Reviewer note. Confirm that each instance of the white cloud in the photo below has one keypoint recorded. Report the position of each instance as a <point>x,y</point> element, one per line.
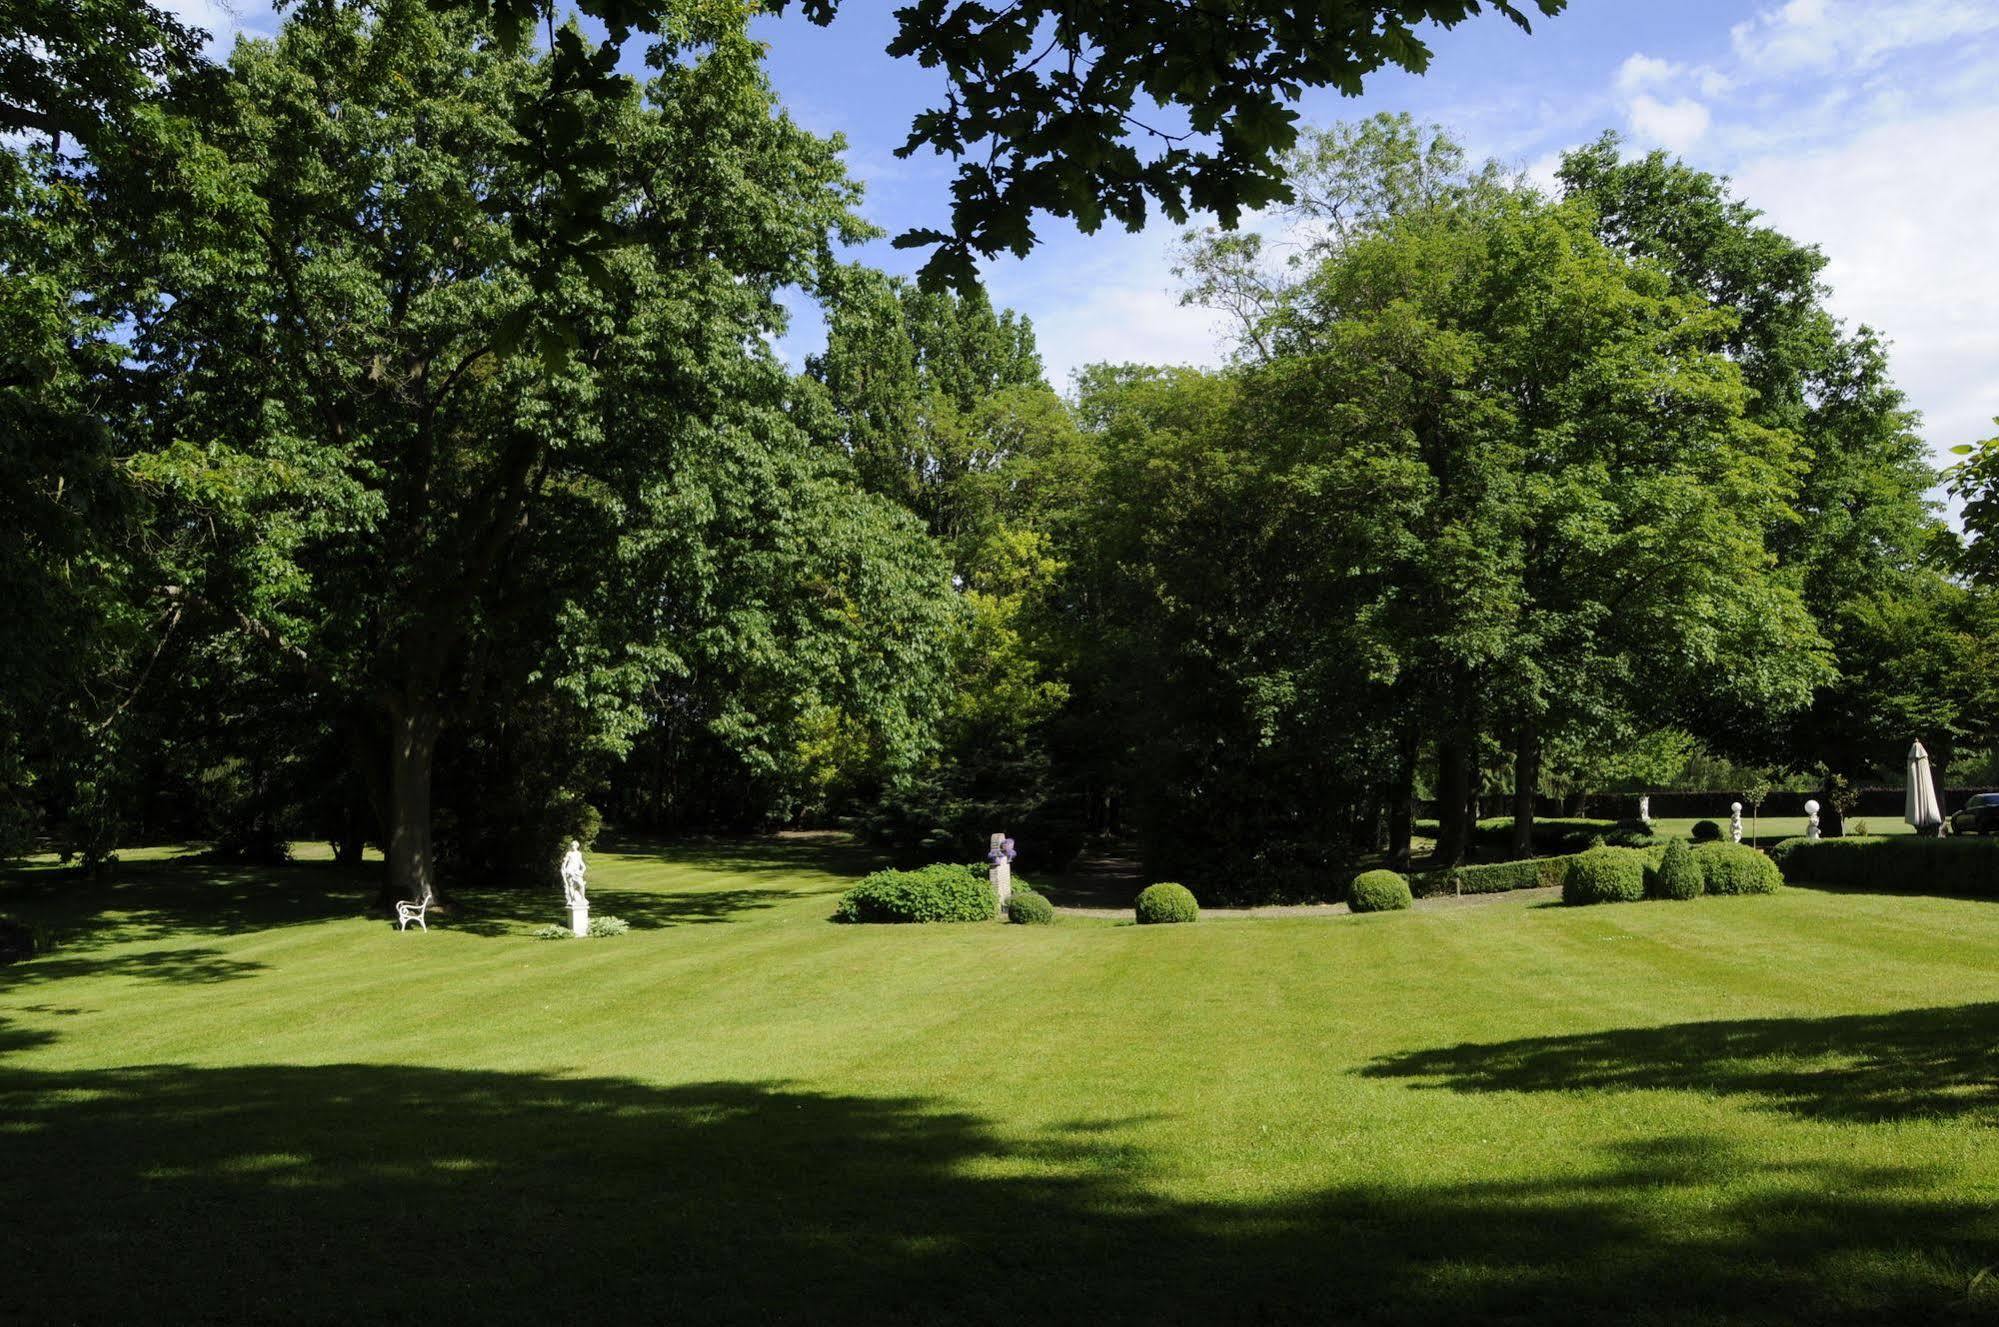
<point>224,20</point>
<point>1641,71</point>
<point>1907,230</point>
<point>1673,125</point>
<point>1108,297</point>
<point>1853,34</point>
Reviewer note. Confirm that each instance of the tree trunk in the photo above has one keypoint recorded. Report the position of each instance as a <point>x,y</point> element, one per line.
<point>1401,804</point>
<point>412,745</point>
<point>1453,801</point>
<point>1526,779</point>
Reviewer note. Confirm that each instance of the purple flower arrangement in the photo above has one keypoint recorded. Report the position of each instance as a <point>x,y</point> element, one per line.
<point>1005,850</point>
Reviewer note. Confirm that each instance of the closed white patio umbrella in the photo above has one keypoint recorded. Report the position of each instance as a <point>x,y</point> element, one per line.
<point>1923,811</point>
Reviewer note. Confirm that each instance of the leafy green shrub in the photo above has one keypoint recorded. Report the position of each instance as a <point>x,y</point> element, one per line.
<point>945,892</point>
<point>1378,891</point>
<point>1026,907</point>
<point>606,925</point>
<point>1677,876</point>
<point>1736,868</point>
<point>1166,902</point>
<point>1706,831</point>
<point>1552,836</point>
<point>1903,863</point>
<point>1604,875</point>
<point>552,932</point>
<point>1492,877</point>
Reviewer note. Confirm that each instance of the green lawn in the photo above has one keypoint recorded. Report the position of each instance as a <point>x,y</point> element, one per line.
<point>233,1097</point>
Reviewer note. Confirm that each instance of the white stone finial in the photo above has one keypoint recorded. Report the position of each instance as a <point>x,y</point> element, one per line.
<point>1811,820</point>
<point>1735,821</point>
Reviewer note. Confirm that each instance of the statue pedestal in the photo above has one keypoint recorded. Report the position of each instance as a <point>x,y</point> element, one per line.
<point>579,920</point>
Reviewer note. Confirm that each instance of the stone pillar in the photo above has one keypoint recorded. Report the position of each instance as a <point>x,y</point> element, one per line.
<point>579,919</point>
<point>999,867</point>
<point>1735,821</point>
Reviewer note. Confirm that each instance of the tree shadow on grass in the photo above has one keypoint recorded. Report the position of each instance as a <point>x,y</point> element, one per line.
<point>1864,1067</point>
<point>365,1192</point>
<point>159,900</point>
<point>194,966</point>
<point>503,912</point>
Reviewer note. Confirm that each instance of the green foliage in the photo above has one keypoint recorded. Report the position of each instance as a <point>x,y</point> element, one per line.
<point>1378,891</point>
<point>1900,863</point>
<point>603,925</point>
<point>1165,903</point>
<point>1706,831</point>
<point>1604,875</point>
<point>1493,877</point>
<point>1736,868</point>
<point>1028,907</point>
<point>1678,875</point>
<point>945,892</point>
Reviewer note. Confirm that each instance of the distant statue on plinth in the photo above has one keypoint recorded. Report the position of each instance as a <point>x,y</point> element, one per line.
<point>999,867</point>
<point>1735,821</point>
<point>572,889</point>
<point>1811,821</point>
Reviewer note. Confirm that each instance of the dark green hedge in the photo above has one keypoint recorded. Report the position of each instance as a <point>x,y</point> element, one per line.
<point>1903,862</point>
<point>942,893</point>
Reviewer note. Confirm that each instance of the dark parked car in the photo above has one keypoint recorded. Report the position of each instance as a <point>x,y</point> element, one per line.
<point>1979,816</point>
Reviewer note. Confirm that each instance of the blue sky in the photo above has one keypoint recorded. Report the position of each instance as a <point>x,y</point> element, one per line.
<point>1869,127</point>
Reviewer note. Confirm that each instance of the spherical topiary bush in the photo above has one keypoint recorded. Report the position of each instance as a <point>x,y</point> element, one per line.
<point>1604,875</point>
<point>1378,891</point>
<point>1025,907</point>
<point>1677,876</point>
<point>1706,831</point>
<point>1166,902</point>
<point>1736,868</point>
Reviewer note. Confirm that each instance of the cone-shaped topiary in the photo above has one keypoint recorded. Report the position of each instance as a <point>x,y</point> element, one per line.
<point>1166,902</point>
<point>1677,876</point>
<point>1378,891</point>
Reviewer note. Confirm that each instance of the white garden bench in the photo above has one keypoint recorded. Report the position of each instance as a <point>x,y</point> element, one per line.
<point>407,912</point>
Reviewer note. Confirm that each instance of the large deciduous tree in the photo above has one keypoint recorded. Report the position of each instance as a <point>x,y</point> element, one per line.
<point>363,471</point>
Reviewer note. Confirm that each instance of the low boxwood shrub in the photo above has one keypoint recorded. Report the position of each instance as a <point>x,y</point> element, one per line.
<point>1027,907</point>
<point>1900,863</point>
<point>945,892</point>
<point>1491,877</point>
<point>1164,903</point>
<point>1605,875</point>
<point>1706,831</point>
<point>1378,891</point>
<point>1736,868</point>
<point>1677,876</point>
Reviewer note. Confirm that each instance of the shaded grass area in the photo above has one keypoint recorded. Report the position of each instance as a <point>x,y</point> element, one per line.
<point>1774,1109</point>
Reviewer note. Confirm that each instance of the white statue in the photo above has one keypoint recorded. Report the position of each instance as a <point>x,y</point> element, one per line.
<point>999,867</point>
<point>1645,811</point>
<point>1735,821</point>
<point>572,889</point>
<point>1811,820</point>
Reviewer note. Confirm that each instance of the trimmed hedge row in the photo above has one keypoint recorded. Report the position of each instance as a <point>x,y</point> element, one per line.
<point>1492,877</point>
<point>945,892</point>
<point>1900,862</point>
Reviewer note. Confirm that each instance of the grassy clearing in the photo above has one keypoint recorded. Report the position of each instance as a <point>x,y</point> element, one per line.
<point>233,1096</point>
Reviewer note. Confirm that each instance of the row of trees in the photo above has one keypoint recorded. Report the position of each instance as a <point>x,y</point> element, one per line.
<point>400,456</point>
